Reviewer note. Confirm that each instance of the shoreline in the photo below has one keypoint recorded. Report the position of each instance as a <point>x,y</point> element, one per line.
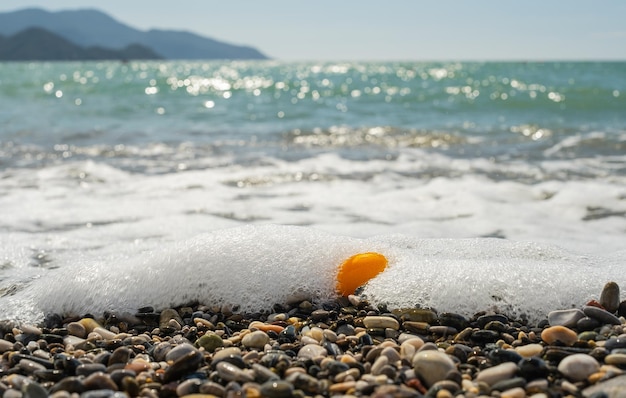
<point>344,347</point>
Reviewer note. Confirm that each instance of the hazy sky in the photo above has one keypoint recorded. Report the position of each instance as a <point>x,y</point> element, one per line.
<point>391,30</point>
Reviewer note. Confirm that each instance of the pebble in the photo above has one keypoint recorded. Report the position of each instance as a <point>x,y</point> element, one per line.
<point>345,348</point>
<point>256,339</point>
<point>497,373</point>
<point>276,389</point>
<point>609,298</point>
<point>380,322</point>
<point>77,329</point>
<point>611,388</point>
<point>529,350</point>
<point>311,351</point>
<point>601,315</point>
<point>617,359</point>
<point>578,367</point>
<point>561,334</point>
<point>432,366</point>
<point>210,342</point>
<point>567,318</point>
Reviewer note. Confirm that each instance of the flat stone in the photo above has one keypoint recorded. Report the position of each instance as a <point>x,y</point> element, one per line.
<point>380,322</point>
<point>529,350</point>
<point>567,318</point>
<point>609,298</point>
<point>601,315</point>
<point>432,366</point>
<point>497,373</point>
<point>559,333</point>
<point>577,367</point>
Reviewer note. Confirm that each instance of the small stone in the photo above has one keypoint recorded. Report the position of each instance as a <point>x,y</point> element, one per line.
<point>378,364</point>
<point>89,324</point>
<point>87,369</point>
<point>311,351</point>
<point>529,350</point>
<point>609,298</point>
<point>185,357</point>
<point>380,322</point>
<point>230,372</point>
<point>533,368</point>
<point>5,346</point>
<point>559,333</point>
<point>210,342</point>
<point>614,343</point>
<point>120,355</point>
<point>34,390</point>
<point>516,392</point>
<point>391,354</point>
<point>497,373</point>
<point>276,389</point>
<point>567,318</point>
<point>578,367</point>
<point>99,381</point>
<point>601,315</point>
<point>432,366</point>
<point>225,353</point>
<point>179,351</point>
<point>256,339</point>
<point>212,388</point>
<point>416,315</point>
<point>166,316</point>
<point>77,329</point>
<point>617,359</point>
<point>587,323</point>
<point>29,366</point>
<point>188,387</point>
<point>613,387</point>
<point>457,321</point>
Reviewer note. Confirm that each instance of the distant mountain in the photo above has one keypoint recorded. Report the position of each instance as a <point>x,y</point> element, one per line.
<point>41,45</point>
<point>87,28</point>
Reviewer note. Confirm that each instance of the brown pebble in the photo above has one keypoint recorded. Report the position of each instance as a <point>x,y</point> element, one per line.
<point>559,333</point>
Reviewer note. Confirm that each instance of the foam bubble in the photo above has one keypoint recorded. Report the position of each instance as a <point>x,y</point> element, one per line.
<point>254,267</point>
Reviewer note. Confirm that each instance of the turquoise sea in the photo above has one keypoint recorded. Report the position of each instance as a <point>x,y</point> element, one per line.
<point>106,161</point>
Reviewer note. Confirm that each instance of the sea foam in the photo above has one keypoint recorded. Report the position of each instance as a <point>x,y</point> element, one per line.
<point>253,267</point>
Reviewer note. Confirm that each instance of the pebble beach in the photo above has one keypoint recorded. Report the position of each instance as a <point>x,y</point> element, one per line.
<point>346,347</point>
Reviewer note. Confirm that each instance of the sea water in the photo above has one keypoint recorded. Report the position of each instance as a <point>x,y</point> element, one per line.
<point>487,185</point>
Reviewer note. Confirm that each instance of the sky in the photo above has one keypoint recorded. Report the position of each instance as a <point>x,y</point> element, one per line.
<point>396,30</point>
